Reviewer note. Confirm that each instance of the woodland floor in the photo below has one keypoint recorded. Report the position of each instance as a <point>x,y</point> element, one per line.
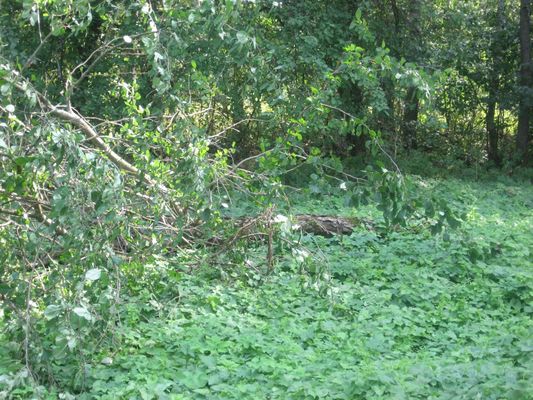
<point>405,315</point>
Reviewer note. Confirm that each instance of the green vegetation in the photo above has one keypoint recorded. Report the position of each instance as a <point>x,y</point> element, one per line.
<point>297,199</point>
<point>402,315</point>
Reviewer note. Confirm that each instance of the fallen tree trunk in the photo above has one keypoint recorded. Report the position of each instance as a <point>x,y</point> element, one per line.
<point>325,225</point>
<point>322,225</point>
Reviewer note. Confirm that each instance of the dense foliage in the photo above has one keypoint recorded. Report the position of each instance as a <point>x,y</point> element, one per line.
<point>154,159</point>
<point>403,315</point>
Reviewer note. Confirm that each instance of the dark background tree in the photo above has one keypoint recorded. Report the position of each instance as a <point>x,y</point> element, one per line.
<point>523,133</point>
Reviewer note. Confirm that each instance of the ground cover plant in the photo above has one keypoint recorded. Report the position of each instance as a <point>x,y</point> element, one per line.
<point>401,315</point>
<point>265,199</point>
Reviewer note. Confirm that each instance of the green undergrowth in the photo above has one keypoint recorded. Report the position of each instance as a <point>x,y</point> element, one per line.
<point>373,315</point>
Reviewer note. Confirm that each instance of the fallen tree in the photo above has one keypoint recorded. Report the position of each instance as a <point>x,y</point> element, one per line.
<point>327,225</point>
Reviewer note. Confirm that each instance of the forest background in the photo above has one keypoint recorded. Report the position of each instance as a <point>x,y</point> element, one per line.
<point>155,149</point>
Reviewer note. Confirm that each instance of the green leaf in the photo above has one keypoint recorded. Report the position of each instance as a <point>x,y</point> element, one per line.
<point>82,312</point>
<point>52,311</point>
<point>429,209</point>
<point>93,274</point>
<point>242,37</point>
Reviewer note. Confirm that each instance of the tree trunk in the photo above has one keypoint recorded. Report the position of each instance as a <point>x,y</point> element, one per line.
<point>396,14</point>
<point>412,102</point>
<point>492,132</point>
<point>523,132</point>
<point>494,89</point>
<point>410,118</point>
<point>322,225</point>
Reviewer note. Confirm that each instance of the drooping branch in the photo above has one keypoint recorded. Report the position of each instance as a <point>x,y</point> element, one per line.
<point>69,115</point>
<point>93,137</point>
<point>32,208</point>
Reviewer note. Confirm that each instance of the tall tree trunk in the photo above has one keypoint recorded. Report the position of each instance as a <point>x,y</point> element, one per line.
<point>410,118</point>
<point>526,90</point>
<point>494,86</point>
<point>412,102</point>
<point>396,14</point>
<point>492,131</point>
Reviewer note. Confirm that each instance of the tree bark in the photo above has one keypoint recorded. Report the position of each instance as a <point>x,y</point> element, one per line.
<point>410,118</point>
<point>396,15</point>
<point>526,90</point>
<point>322,225</point>
<point>492,132</point>
<point>328,226</point>
<point>412,102</point>
<point>494,89</point>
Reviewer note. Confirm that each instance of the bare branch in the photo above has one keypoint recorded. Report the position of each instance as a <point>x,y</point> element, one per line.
<point>31,58</point>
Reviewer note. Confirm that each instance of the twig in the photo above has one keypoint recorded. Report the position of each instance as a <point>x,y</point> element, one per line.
<point>31,58</point>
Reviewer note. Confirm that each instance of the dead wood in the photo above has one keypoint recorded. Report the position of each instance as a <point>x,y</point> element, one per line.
<point>326,225</point>
<point>322,225</point>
